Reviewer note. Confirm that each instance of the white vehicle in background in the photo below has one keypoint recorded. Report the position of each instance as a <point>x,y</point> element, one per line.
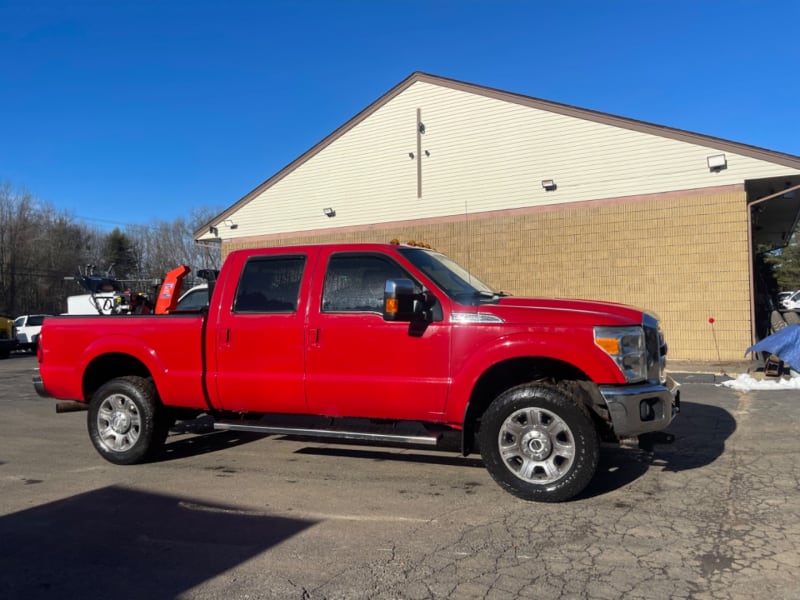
<point>783,297</point>
<point>28,329</point>
<point>792,302</point>
<point>195,298</point>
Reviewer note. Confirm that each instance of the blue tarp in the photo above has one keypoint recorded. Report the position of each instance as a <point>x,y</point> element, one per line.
<point>785,344</point>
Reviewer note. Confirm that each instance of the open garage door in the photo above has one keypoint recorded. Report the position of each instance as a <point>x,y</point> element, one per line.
<point>774,205</point>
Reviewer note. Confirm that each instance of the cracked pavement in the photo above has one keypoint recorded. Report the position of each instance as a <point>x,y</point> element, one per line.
<point>716,515</point>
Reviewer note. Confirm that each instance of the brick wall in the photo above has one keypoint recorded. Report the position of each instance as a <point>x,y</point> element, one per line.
<point>683,255</point>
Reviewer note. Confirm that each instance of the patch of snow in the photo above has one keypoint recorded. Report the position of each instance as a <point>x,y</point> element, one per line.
<point>746,382</point>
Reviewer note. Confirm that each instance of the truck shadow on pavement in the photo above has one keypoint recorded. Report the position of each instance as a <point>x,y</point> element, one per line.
<point>700,433</point>
<point>197,436</point>
<point>120,543</point>
<point>423,456</point>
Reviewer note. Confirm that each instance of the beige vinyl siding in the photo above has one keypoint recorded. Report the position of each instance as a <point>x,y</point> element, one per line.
<point>486,154</point>
<point>365,176</point>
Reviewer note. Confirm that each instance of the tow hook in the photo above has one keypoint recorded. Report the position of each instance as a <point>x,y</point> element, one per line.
<point>648,440</point>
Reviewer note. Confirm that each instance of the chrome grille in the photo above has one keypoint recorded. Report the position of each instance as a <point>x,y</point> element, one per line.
<point>656,349</point>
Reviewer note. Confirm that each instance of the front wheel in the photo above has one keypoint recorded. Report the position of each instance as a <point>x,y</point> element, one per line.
<point>539,443</point>
<point>126,423</point>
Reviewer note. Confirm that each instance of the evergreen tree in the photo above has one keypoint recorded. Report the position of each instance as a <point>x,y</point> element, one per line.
<point>119,256</point>
<point>785,264</point>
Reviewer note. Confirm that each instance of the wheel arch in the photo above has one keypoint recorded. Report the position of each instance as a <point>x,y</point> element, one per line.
<point>507,374</point>
<point>110,366</point>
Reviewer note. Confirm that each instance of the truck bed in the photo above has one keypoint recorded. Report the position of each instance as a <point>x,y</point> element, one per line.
<point>79,349</point>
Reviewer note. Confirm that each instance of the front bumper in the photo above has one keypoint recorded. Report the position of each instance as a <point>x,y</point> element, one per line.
<point>638,409</point>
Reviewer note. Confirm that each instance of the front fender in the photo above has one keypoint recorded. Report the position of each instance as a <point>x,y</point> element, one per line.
<point>572,348</point>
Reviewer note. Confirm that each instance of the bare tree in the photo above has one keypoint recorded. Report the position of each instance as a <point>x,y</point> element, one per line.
<point>162,246</point>
<point>38,247</point>
<point>42,248</point>
<point>15,215</point>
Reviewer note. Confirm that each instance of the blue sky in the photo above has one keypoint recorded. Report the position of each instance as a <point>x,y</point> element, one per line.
<point>128,111</point>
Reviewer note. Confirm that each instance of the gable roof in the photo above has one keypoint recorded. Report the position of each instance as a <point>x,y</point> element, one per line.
<point>755,152</point>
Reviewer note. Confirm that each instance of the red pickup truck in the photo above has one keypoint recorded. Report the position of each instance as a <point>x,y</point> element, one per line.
<point>391,343</point>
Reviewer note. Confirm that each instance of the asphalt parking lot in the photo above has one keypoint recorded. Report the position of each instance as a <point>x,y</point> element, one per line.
<point>231,515</point>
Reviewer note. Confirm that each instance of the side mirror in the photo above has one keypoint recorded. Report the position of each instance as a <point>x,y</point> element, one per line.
<point>400,301</point>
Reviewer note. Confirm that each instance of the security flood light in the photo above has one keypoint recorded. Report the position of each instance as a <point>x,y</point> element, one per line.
<point>717,163</point>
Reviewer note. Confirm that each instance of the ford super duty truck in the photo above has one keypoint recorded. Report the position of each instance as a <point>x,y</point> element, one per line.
<point>389,343</point>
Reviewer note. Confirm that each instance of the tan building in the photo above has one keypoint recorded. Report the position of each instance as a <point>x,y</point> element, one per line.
<point>544,199</point>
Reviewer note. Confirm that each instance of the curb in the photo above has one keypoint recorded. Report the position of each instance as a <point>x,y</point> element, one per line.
<point>685,371</point>
<point>697,377</point>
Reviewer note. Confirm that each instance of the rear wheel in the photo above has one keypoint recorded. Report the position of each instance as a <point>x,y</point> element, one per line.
<point>539,443</point>
<point>126,423</point>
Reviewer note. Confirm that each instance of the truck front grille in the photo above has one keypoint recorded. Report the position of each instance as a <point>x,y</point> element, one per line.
<point>656,349</point>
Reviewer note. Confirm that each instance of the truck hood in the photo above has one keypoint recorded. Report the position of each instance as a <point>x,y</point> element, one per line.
<point>554,311</point>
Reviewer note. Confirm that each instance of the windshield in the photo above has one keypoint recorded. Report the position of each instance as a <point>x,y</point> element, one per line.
<point>454,280</point>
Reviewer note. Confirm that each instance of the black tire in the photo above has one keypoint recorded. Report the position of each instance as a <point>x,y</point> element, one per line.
<point>126,422</point>
<point>538,442</point>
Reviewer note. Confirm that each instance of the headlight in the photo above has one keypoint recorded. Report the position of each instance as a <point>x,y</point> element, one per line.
<point>626,346</point>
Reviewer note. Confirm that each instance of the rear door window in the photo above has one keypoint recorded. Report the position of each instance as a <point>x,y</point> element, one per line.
<point>270,285</point>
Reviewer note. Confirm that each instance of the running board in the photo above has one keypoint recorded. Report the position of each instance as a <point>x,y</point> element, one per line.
<point>424,440</point>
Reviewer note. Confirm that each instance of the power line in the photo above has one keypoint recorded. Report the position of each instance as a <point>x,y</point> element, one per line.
<point>95,219</point>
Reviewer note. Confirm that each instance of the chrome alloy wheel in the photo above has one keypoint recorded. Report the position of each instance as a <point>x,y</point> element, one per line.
<point>536,445</point>
<point>119,423</point>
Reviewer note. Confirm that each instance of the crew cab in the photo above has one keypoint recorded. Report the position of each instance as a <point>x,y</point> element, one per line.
<point>391,343</point>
